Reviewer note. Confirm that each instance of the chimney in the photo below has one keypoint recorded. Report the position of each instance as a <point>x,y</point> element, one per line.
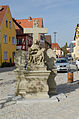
<point>30,18</point>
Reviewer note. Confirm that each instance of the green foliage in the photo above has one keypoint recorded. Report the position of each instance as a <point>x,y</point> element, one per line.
<point>66,45</point>
<point>5,64</point>
<point>64,49</point>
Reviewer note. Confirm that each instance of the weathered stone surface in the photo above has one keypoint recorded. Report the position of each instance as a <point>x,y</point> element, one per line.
<point>20,59</point>
<point>50,59</point>
<point>51,83</point>
<point>36,31</point>
<point>32,82</point>
<point>36,58</point>
<point>39,76</point>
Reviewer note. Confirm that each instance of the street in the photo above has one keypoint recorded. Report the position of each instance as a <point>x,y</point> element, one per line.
<point>9,108</point>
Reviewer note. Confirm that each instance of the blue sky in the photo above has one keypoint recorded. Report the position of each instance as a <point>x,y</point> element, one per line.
<point>59,16</point>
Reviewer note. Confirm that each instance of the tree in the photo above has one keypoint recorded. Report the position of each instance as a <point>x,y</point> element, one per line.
<point>66,45</point>
<point>65,49</point>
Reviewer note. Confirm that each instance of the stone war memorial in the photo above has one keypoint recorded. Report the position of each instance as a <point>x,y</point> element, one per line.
<point>37,80</point>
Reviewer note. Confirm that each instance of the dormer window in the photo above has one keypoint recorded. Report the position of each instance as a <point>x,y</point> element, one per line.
<point>6,23</point>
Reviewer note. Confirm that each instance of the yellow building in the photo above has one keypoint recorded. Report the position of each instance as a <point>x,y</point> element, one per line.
<point>7,36</point>
<point>75,52</point>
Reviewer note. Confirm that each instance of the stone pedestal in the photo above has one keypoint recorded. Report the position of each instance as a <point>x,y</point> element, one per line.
<point>35,83</point>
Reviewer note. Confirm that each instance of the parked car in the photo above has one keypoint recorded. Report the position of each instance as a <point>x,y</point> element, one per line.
<point>77,63</point>
<point>62,64</point>
<point>69,57</point>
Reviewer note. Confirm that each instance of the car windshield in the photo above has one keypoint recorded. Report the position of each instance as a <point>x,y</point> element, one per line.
<point>61,61</point>
<point>68,55</point>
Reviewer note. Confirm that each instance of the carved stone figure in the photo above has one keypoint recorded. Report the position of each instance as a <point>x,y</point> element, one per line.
<point>36,58</point>
<point>20,59</point>
<point>50,59</point>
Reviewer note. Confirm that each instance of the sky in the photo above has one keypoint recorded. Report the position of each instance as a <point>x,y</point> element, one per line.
<point>59,16</point>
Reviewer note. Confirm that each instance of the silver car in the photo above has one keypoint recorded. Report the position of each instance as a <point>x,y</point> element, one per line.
<point>69,57</point>
<point>62,64</point>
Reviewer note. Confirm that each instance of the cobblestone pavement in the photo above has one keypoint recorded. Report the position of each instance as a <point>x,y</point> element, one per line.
<point>39,109</point>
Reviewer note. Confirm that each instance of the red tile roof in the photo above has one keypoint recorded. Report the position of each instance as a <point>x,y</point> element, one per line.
<point>16,27</point>
<point>28,23</point>
<point>2,13</point>
<point>55,45</point>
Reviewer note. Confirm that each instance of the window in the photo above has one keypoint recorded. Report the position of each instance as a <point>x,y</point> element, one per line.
<point>13,40</point>
<point>5,38</point>
<point>42,39</point>
<point>6,23</point>
<point>5,55</point>
<point>19,41</point>
<point>9,24</point>
<point>9,38</point>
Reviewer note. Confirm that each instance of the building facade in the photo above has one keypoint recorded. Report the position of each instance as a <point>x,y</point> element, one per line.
<point>47,41</point>
<point>75,52</point>
<point>23,41</point>
<point>55,47</point>
<point>7,36</point>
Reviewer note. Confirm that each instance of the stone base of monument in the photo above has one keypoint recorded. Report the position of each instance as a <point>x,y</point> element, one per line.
<point>40,95</point>
<point>43,100</point>
<point>35,83</point>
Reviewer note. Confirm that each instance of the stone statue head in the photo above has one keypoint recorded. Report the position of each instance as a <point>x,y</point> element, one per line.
<point>50,58</point>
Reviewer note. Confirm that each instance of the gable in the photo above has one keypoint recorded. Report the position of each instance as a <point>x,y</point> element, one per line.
<point>8,17</point>
<point>55,45</point>
<point>3,10</point>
